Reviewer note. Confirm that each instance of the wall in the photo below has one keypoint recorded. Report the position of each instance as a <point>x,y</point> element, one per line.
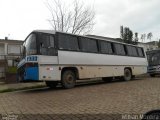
<point>12,51</point>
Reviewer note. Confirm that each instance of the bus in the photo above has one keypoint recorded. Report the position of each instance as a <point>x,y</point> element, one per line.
<point>153,57</point>
<point>58,57</point>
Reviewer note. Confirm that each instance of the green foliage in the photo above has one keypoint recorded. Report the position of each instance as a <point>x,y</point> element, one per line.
<point>127,35</point>
<point>12,70</point>
<point>149,36</point>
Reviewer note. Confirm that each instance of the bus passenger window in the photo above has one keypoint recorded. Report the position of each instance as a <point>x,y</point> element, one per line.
<point>106,47</point>
<point>88,45</point>
<point>140,52</point>
<point>68,42</point>
<point>119,49</point>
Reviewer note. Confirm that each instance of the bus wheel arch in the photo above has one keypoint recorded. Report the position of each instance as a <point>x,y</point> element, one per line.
<point>69,76</point>
<point>127,74</point>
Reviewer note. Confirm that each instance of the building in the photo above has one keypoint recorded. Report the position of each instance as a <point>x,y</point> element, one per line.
<point>153,45</point>
<point>10,52</point>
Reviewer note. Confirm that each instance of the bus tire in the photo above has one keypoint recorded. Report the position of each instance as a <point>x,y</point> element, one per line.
<point>127,74</point>
<point>152,75</point>
<point>51,84</point>
<point>68,79</point>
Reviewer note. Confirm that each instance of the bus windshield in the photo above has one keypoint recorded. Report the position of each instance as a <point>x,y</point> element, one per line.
<point>154,59</point>
<point>39,44</point>
<point>30,45</point>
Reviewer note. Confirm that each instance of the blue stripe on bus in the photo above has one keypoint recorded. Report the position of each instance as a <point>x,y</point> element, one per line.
<point>31,73</point>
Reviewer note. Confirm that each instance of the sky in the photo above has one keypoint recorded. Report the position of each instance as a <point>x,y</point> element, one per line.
<point>20,17</point>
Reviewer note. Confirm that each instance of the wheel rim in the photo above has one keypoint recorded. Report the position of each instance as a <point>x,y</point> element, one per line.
<point>69,79</point>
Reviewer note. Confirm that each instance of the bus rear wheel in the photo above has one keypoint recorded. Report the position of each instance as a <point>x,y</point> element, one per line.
<point>68,79</point>
<point>51,84</point>
<point>127,74</point>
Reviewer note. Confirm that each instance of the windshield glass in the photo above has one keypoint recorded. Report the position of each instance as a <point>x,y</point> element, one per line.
<point>30,45</point>
<point>154,59</point>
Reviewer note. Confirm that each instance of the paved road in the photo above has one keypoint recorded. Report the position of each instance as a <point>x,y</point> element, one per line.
<point>93,101</point>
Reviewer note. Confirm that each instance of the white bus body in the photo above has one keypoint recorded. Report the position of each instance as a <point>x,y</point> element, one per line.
<point>83,64</point>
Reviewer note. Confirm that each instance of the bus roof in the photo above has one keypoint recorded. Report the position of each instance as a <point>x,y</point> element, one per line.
<point>45,31</point>
<point>104,39</point>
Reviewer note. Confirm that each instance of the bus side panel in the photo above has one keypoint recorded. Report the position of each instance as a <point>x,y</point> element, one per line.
<point>139,70</point>
<point>100,71</point>
<point>92,65</point>
<point>82,58</point>
<point>48,68</point>
<point>49,73</point>
<point>108,71</point>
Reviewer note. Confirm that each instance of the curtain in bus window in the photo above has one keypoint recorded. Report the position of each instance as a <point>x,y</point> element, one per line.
<point>140,52</point>
<point>46,41</point>
<point>131,51</point>
<point>51,41</point>
<point>88,45</point>
<point>134,51</point>
<point>68,42</point>
<point>119,49</point>
<point>47,44</point>
<point>106,47</point>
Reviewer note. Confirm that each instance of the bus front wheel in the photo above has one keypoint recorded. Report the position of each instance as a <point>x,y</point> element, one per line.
<point>51,84</point>
<point>127,74</point>
<point>68,79</point>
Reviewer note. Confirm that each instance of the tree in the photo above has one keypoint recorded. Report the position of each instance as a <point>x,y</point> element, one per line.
<point>130,37</point>
<point>136,38</point>
<point>143,37</point>
<point>121,32</point>
<point>76,18</point>
<point>149,36</point>
<point>126,35</point>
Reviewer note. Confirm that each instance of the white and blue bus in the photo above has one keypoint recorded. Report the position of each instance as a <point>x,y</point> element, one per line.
<point>57,57</point>
<point>153,62</point>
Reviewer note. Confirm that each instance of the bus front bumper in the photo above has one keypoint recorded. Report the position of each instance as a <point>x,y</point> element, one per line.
<point>31,73</point>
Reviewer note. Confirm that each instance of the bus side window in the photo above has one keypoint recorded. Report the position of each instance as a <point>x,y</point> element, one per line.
<point>106,47</point>
<point>131,51</point>
<point>68,42</point>
<point>88,45</point>
<point>119,49</point>
<point>134,51</point>
<point>140,52</point>
<point>47,44</point>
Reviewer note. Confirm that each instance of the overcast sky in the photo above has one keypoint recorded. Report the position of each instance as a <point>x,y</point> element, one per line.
<point>19,17</point>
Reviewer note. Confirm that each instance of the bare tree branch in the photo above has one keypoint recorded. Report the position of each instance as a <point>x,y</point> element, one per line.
<point>76,18</point>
